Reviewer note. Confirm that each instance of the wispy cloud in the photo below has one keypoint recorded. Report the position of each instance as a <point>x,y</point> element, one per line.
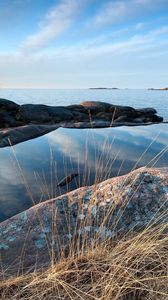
<point>56,21</point>
<point>117,11</point>
<point>142,43</point>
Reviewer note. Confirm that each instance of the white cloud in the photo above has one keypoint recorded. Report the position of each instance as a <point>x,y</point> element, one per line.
<point>97,63</point>
<point>136,43</point>
<point>56,21</point>
<point>60,17</point>
<point>117,11</point>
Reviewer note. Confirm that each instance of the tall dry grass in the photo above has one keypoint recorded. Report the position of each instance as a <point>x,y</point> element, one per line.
<point>134,268</point>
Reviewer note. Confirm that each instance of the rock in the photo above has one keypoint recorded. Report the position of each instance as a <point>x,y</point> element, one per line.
<point>60,113</point>
<point>146,111</point>
<point>34,113</point>
<point>88,114</point>
<point>109,210</point>
<point>121,109</point>
<point>8,105</point>
<point>77,107</point>
<point>87,124</point>
<point>79,116</point>
<point>8,120</point>
<point>8,111</point>
<point>156,119</point>
<point>44,114</point>
<point>122,119</point>
<point>107,116</point>
<point>95,106</point>
<point>67,179</point>
<point>13,136</point>
<point>162,89</point>
<point>141,120</point>
<point>2,120</point>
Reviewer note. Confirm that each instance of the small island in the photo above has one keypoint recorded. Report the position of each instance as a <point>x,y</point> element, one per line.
<point>160,89</point>
<point>103,88</point>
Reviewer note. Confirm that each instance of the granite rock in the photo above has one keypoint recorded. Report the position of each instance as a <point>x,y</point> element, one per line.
<point>109,210</point>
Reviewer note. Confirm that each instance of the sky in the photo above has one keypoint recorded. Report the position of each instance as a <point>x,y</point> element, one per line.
<point>83,43</point>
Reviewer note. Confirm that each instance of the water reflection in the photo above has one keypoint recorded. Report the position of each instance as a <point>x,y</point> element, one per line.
<point>30,171</point>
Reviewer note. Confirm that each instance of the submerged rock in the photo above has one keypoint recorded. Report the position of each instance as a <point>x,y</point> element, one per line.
<point>88,114</point>
<point>67,179</point>
<point>108,210</point>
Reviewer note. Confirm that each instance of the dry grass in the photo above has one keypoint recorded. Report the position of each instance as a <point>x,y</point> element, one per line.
<point>135,268</point>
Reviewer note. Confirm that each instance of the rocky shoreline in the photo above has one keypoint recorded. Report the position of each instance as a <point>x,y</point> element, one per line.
<point>111,209</point>
<point>19,123</point>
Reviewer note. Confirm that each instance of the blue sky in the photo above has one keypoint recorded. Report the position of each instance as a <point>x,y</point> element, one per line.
<point>83,43</point>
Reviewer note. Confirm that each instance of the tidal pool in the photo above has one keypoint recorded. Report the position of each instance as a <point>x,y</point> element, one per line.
<point>30,171</point>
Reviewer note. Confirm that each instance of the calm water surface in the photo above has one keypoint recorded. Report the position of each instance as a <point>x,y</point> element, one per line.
<point>30,171</point>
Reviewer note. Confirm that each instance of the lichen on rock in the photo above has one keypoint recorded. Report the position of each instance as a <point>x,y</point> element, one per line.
<point>110,209</point>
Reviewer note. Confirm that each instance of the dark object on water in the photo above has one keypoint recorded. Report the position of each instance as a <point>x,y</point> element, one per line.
<point>67,179</point>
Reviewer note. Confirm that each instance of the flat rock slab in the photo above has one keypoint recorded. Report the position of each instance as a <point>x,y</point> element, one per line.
<point>111,209</point>
<point>13,136</point>
<point>33,120</point>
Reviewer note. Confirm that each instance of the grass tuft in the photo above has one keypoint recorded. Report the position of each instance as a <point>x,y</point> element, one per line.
<point>135,268</point>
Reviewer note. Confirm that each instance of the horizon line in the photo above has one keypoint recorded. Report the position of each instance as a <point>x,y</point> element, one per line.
<point>81,88</point>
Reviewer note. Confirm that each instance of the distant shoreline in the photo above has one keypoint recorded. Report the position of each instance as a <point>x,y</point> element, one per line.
<point>162,89</point>
<point>115,88</point>
<point>84,88</point>
<point>103,88</point>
